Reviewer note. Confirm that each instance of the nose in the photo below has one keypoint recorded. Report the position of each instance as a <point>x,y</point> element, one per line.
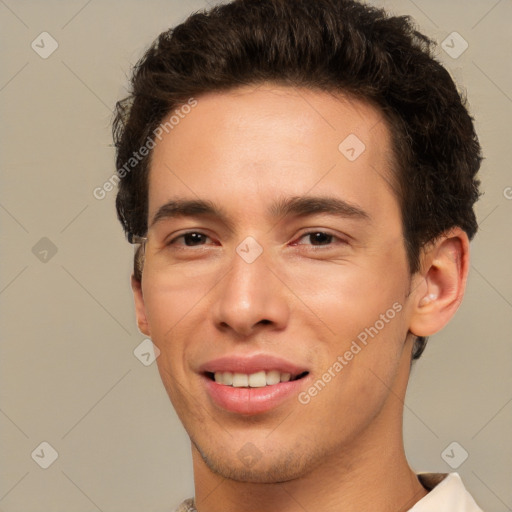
<point>249,297</point>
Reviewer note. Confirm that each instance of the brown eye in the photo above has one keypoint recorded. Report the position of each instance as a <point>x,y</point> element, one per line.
<point>319,238</point>
<point>190,239</point>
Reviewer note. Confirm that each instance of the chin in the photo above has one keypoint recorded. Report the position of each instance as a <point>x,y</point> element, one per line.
<point>268,468</point>
<point>268,474</point>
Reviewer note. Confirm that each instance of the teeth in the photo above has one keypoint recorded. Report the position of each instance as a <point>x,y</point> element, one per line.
<point>240,380</point>
<point>254,380</point>
<point>273,377</point>
<point>257,380</point>
<point>227,378</point>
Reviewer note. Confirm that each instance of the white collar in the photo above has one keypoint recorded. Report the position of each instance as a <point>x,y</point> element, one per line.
<point>449,495</point>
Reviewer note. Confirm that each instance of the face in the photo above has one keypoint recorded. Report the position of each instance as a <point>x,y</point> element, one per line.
<point>279,298</point>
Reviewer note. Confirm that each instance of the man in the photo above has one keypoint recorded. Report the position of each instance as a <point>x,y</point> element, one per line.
<point>301,178</point>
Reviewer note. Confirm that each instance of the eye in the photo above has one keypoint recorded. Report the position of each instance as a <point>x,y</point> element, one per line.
<point>319,238</point>
<point>190,239</point>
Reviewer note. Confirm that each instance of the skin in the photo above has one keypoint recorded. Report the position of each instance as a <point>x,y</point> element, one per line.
<point>243,149</point>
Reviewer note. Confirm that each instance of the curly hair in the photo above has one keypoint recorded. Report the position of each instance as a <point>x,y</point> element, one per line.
<point>327,45</point>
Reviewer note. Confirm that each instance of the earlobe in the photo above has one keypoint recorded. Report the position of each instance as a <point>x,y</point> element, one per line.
<point>140,308</point>
<point>443,276</point>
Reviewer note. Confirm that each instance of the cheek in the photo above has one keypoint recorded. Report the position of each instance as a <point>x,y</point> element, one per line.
<point>346,298</point>
<point>170,301</point>
<point>170,311</point>
<point>167,312</point>
<point>362,312</point>
<point>365,361</point>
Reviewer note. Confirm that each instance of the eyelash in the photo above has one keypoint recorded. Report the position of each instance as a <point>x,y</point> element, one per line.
<point>308,233</point>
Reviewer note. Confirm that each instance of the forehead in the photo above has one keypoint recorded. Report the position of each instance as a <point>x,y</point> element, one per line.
<point>252,144</point>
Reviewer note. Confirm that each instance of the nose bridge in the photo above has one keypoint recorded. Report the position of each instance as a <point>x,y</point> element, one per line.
<point>250,293</point>
<point>249,267</point>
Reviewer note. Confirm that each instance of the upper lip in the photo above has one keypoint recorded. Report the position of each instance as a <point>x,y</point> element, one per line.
<point>251,364</point>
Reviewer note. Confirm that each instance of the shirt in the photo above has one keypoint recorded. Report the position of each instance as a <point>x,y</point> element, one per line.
<point>446,494</point>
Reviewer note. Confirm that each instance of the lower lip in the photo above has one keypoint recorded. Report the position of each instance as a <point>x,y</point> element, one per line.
<point>252,400</point>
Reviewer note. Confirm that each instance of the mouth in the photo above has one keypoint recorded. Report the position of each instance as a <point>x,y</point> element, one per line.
<point>255,384</point>
<point>245,394</point>
<point>259,379</point>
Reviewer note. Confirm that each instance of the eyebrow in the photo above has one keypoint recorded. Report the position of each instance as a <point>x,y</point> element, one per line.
<point>302,206</point>
<point>297,206</point>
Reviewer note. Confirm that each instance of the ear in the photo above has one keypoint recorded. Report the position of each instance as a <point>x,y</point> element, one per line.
<point>440,284</point>
<point>140,308</point>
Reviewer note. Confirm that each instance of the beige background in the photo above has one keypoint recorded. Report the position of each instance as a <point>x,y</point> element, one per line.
<point>68,374</point>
